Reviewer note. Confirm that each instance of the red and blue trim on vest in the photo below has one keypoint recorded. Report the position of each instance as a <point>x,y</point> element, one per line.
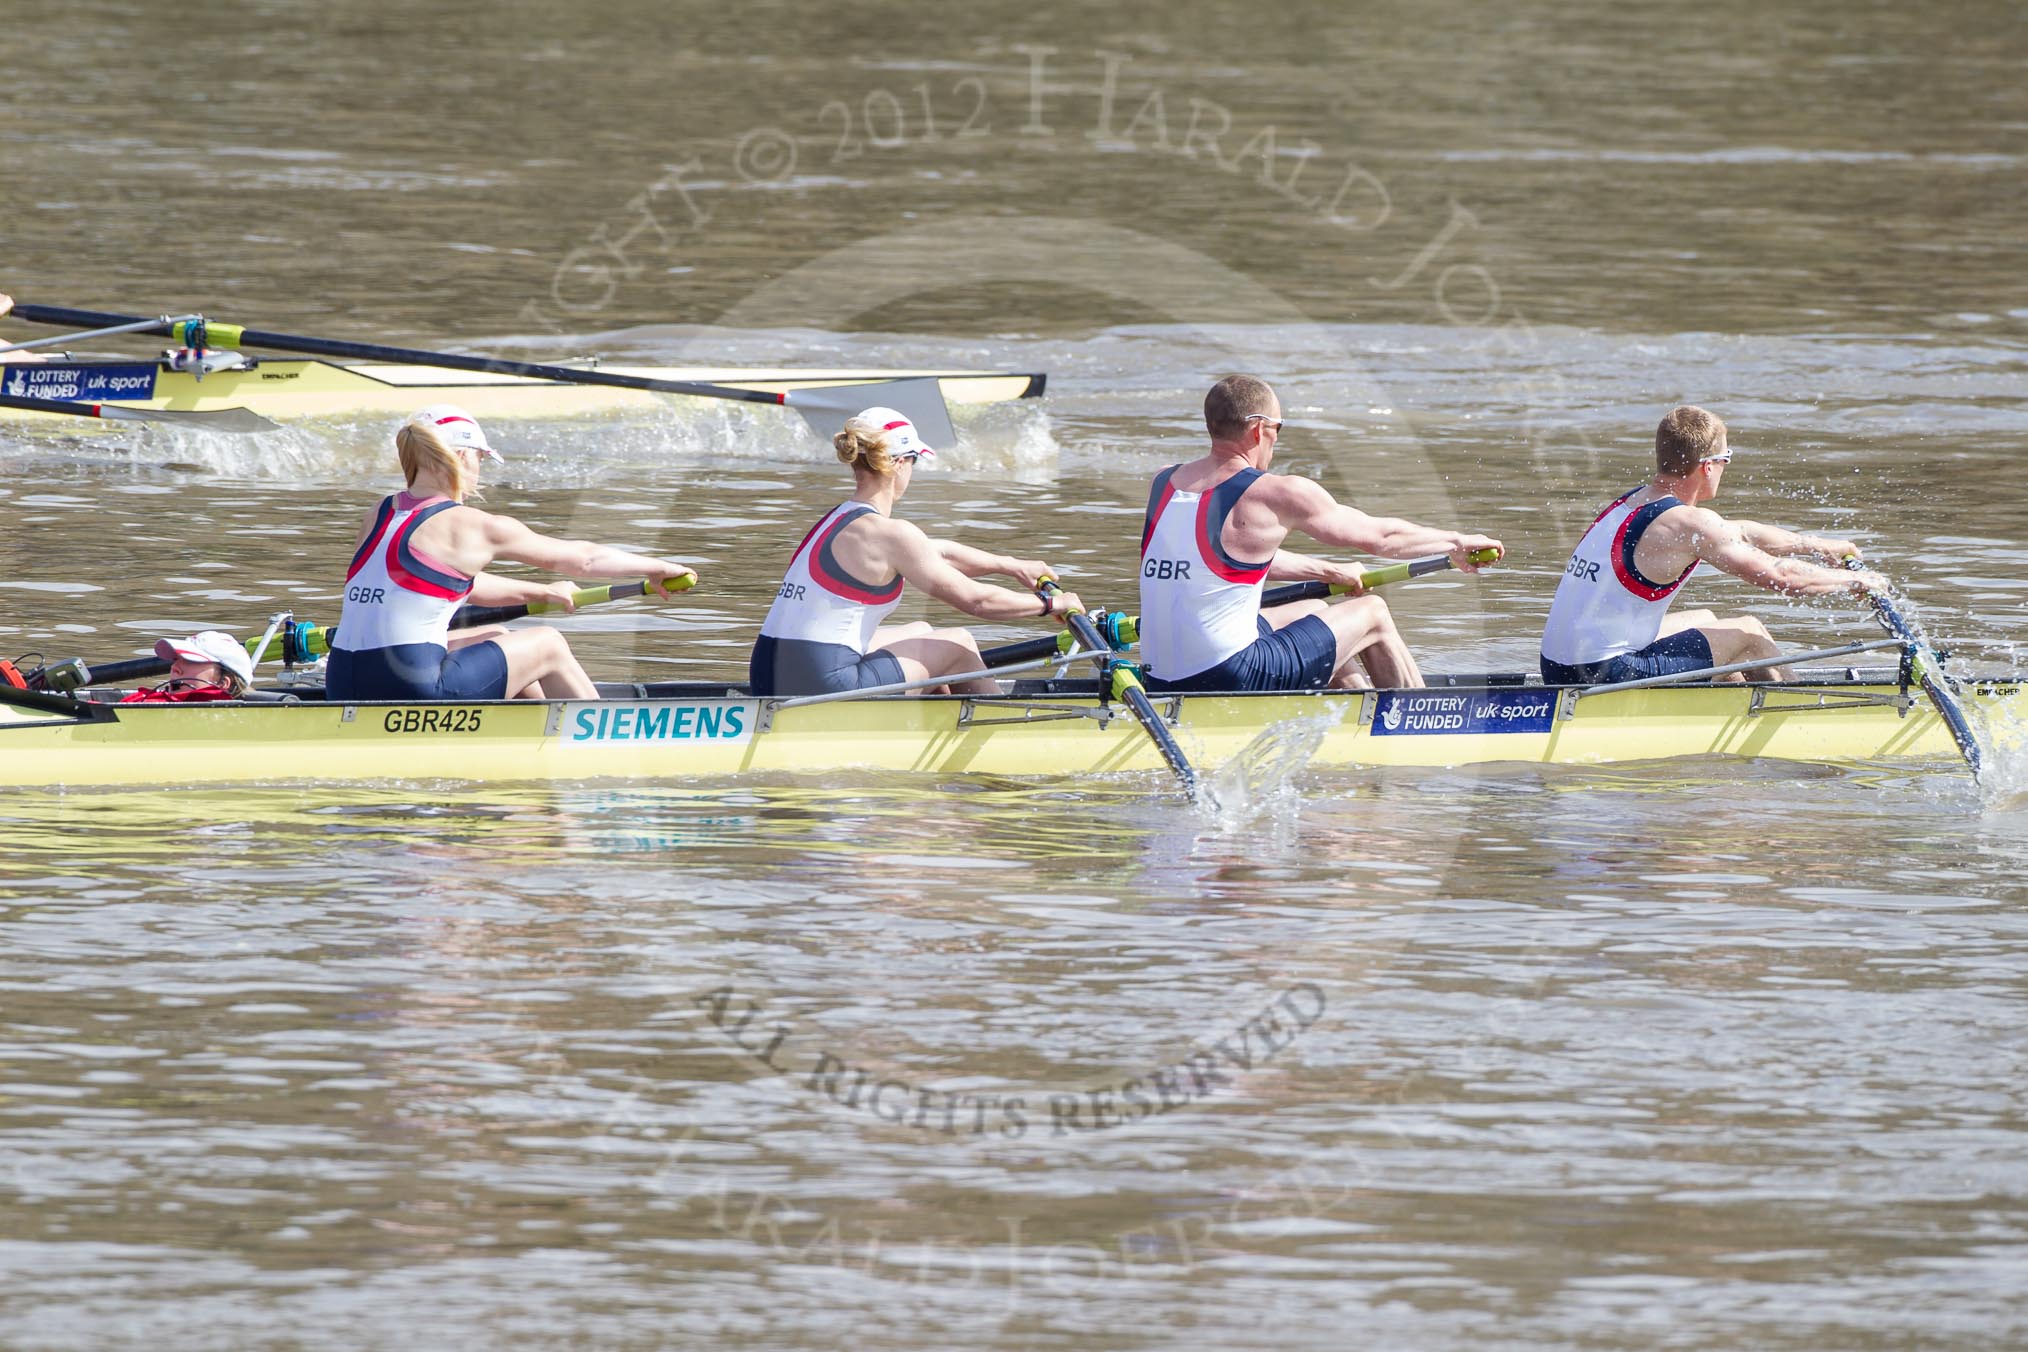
<point>831,574</point>
<point>1212,509</point>
<point>1628,538</point>
<point>1159,494</point>
<point>407,567</point>
<point>372,540</point>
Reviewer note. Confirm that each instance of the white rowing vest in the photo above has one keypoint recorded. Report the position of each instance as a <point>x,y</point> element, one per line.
<point>1199,605</point>
<point>1603,606</point>
<point>819,601</point>
<point>393,594</point>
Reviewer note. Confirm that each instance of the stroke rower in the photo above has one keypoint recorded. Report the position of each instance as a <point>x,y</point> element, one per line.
<point>823,632</point>
<point>423,552</point>
<point>1211,539</point>
<point>1610,619</point>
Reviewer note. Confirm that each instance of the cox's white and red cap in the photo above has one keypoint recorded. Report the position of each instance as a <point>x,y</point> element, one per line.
<point>212,645</point>
<point>903,441</point>
<point>456,428</point>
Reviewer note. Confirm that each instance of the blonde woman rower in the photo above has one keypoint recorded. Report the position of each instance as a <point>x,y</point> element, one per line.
<point>823,632</point>
<point>423,553</point>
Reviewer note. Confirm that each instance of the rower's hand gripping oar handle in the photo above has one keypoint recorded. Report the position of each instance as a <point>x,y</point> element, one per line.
<point>1373,577</point>
<point>1124,684</point>
<point>471,617</point>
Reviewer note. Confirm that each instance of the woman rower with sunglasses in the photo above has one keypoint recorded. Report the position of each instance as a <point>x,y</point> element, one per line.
<point>824,634</point>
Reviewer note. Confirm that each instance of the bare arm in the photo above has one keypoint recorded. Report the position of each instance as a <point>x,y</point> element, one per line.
<point>1306,506</point>
<point>921,562</point>
<point>978,563</point>
<point>1788,544</point>
<point>1289,566</point>
<point>490,589</point>
<point>1728,547</point>
<point>511,540</point>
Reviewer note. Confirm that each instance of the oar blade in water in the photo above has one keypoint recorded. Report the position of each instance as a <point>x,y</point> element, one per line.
<point>920,399</point>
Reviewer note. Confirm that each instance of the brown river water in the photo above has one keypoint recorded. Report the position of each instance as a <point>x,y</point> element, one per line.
<point>1676,1055</point>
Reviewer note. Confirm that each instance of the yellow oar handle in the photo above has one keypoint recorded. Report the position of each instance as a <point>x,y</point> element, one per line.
<point>613,591</point>
<point>1402,572</point>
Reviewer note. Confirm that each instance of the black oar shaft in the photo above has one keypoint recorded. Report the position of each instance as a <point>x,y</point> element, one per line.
<point>73,408</point>
<point>1028,650</point>
<point>119,673</point>
<point>1935,684</point>
<point>1929,673</point>
<point>1126,687</point>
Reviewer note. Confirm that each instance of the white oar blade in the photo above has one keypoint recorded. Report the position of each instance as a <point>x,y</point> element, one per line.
<point>920,399</point>
<point>235,420</point>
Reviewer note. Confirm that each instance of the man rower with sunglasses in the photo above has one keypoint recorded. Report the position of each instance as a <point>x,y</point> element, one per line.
<point>1610,621</point>
<point>1213,536</point>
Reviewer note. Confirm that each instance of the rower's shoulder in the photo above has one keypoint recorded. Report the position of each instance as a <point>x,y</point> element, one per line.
<point>877,525</point>
<point>1268,487</point>
<point>1689,521</point>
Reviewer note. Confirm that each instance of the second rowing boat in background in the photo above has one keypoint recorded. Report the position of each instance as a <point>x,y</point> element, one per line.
<point>293,388</point>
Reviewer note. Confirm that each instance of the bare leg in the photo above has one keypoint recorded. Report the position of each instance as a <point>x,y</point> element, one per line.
<point>924,652</point>
<point>540,665</point>
<point>1743,638</point>
<point>1370,648</point>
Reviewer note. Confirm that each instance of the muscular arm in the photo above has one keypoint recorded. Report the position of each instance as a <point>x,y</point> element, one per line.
<point>1788,544</point>
<point>1309,508</point>
<point>1289,566</point>
<point>1729,547</point>
<point>490,589</point>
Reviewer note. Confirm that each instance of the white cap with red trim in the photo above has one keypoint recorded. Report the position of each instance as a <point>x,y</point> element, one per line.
<point>456,428</point>
<point>212,645</point>
<point>903,441</point>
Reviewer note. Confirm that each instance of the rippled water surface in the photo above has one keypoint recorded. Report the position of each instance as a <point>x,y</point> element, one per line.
<point>1700,1054</point>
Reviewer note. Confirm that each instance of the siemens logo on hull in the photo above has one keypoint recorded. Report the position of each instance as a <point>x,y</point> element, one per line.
<point>1409,713</point>
<point>613,721</point>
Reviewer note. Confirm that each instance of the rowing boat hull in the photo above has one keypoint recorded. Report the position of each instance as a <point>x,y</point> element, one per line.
<point>696,738</point>
<point>291,388</point>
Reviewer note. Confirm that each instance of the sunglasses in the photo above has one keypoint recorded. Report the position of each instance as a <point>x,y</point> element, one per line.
<point>1275,424</point>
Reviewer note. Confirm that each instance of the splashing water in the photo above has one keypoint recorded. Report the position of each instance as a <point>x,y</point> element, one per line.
<point>1260,779</point>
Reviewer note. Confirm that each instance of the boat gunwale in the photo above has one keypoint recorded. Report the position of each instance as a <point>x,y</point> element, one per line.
<point>614,692</point>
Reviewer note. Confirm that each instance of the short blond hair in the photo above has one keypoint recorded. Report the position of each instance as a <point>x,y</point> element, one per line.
<point>863,445</point>
<point>1687,437</point>
<point>421,448</point>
